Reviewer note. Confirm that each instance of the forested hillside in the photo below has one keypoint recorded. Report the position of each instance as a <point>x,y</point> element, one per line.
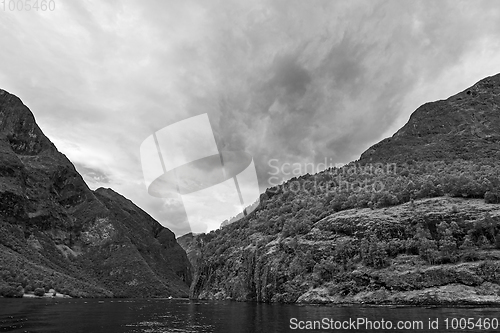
<point>415,220</point>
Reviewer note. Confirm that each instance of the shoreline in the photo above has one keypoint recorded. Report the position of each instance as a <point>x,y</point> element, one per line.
<point>47,295</point>
<point>331,304</point>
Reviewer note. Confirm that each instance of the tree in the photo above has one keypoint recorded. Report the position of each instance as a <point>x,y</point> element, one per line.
<point>469,248</point>
<point>380,257</point>
<point>483,242</point>
<point>374,252</point>
<point>468,244</point>
<point>386,199</point>
<point>427,250</point>
<point>10,291</point>
<point>39,292</point>
<point>442,228</point>
<point>325,270</point>
<point>455,229</point>
<point>489,224</point>
<point>497,241</point>
<point>344,251</point>
<point>448,245</point>
<point>491,197</point>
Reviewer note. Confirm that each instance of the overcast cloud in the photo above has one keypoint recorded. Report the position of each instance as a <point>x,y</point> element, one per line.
<point>294,81</point>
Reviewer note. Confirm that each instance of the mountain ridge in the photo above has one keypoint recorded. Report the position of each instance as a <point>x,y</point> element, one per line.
<point>462,117</point>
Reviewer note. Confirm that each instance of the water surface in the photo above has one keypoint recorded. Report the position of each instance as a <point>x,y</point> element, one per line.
<point>181,315</point>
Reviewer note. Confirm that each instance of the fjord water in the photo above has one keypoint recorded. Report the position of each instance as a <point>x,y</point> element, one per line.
<point>182,315</point>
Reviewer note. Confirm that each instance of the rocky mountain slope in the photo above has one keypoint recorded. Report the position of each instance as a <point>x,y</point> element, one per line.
<point>57,233</point>
<point>414,221</point>
<point>463,126</point>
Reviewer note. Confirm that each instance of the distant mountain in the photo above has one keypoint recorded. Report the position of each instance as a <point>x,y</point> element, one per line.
<point>415,221</point>
<point>56,233</point>
<point>191,243</point>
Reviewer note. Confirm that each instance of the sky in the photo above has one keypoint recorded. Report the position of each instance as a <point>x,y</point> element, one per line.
<point>291,83</point>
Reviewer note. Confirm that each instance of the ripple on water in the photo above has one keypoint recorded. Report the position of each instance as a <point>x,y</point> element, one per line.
<point>163,327</point>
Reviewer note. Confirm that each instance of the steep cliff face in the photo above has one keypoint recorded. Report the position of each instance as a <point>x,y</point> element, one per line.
<point>146,254</point>
<point>57,233</point>
<point>425,231</point>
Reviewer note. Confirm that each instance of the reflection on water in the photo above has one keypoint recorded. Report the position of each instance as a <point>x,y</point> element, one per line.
<point>180,315</point>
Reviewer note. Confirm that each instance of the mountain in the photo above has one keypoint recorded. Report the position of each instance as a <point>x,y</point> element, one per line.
<point>463,126</point>
<point>191,243</point>
<point>56,233</point>
<point>415,220</point>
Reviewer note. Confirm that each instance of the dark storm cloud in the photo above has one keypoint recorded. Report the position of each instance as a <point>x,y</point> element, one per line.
<point>290,76</point>
<point>334,85</point>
